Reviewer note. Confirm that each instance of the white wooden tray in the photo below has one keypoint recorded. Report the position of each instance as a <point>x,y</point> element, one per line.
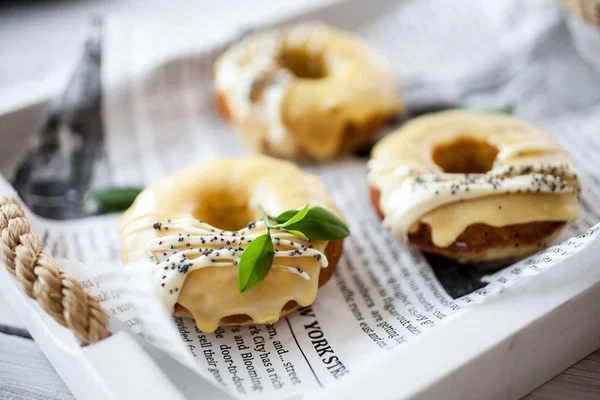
<point>503,349</point>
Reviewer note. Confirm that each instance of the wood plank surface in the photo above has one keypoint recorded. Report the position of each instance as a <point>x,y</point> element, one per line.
<point>581,382</point>
<point>26,374</point>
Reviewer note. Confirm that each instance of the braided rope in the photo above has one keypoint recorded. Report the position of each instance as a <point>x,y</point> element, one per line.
<point>589,10</point>
<point>58,294</point>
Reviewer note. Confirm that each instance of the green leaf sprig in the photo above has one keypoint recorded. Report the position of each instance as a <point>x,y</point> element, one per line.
<point>113,199</point>
<point>307,223</point>
<point>508,110</point>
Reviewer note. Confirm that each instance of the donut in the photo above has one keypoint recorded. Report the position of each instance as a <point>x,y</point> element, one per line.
<point>197,223</point>
<point>473,187</point>
<point>305,92</point>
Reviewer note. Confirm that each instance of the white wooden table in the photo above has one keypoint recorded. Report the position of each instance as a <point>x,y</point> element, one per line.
<point>41,37</point>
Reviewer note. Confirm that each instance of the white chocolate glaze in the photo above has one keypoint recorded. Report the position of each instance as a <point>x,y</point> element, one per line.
<point>277,133</point>
<point>240,67</point>
<point>532,179</point>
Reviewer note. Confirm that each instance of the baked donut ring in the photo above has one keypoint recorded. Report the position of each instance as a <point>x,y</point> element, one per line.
<point>473,187</point>
<point>196,270</point>
<point>308,91</point>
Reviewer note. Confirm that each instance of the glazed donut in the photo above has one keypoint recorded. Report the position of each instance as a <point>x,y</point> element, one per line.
<point>194,224</point>
<point>473,187</point>
<point>309,91</point>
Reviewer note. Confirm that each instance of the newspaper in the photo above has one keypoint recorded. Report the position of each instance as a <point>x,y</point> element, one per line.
<point>154,114</point>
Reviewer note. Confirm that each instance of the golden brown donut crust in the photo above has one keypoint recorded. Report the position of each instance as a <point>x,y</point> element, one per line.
<point>221,106</point>
<point>333,252</point>
<point>479,240</point>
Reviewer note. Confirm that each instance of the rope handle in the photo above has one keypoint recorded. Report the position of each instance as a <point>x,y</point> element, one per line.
<point>59,294</point>
<point>589,10</point>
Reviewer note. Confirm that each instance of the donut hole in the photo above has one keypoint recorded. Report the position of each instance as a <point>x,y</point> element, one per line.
<point>465,156</point>
<point>224,210</point>
<point>303,64</point>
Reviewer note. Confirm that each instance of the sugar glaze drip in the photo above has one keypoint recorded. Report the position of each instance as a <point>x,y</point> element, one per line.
<point>186,245</point>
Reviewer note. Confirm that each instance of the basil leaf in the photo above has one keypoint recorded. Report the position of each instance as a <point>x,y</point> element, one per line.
<point>286,216</point>
<point>256,262</point>
<point>297,217</point>
<point>114,199</point>
<point>508,110</point>
<point>321,224</point>
<point>296,233</point>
